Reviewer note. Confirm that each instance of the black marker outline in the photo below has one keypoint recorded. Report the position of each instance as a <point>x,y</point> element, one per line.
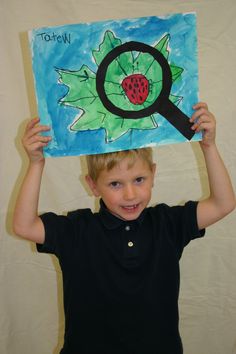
<point>161,105</point>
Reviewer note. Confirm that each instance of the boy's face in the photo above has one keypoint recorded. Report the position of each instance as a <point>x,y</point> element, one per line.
<point>125,191</point>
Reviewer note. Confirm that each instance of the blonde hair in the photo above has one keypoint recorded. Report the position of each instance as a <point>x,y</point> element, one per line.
<point>100,162</point>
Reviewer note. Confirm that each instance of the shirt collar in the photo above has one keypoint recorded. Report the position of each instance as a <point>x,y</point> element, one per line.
<point>111,221</point>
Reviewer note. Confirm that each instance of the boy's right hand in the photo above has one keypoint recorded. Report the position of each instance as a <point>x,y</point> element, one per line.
<point>33,141</point>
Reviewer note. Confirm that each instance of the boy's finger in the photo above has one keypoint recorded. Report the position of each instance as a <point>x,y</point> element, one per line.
<point>38,138</point>
<point>203,119</point>
<point>202,112</point>
<point>38,144</point>
<point>203,126</point>
<point>200,105</point>
<point>36,130</point>
<point>32,123</point>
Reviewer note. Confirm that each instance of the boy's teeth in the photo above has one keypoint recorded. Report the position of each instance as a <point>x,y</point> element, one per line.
<point>130,207</point>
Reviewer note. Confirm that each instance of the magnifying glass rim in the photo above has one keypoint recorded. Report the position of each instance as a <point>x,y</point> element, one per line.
<point>166,79</point>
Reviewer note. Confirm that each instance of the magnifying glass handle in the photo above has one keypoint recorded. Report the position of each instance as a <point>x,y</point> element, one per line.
<point>177,118</point>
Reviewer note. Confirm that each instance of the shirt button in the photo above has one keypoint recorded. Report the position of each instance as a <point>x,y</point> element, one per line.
<point>130,244</point>
<point>127,228</point>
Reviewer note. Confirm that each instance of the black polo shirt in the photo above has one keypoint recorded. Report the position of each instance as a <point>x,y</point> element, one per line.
<point>121,278</point>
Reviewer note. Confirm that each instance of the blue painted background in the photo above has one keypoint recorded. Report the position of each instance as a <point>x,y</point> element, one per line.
<point>51,51</point>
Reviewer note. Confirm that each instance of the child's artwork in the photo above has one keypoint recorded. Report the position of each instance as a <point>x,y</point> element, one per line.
<point>116,85</point>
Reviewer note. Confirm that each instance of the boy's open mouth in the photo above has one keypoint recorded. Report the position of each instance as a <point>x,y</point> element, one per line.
<point>130,207</point>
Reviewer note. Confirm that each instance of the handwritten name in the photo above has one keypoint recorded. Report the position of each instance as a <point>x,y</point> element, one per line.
<point>53,37</point>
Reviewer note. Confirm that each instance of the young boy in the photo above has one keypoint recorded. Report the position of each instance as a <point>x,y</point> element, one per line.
<point>120,266</point>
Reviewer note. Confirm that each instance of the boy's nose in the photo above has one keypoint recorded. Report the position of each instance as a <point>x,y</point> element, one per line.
<point>129,192</point>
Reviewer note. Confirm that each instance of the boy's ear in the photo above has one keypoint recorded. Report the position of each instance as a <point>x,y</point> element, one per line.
<point>154,168</point>
<point>92,185</point>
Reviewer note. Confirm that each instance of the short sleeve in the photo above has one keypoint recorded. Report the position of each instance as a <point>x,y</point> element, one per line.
<point>57,229</point>
<point>184,219</point>
<point>179,224</point>
<point>63,233</point>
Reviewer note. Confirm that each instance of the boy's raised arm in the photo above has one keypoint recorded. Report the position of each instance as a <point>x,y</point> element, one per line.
<point>26,222</point>
<point>221,200</point>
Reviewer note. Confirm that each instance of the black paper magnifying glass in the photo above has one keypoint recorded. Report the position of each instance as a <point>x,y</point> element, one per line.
<point>161,105</point>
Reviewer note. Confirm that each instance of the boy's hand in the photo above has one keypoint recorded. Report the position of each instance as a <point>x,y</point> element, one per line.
<point>33,141</point>
<point>204,121</point>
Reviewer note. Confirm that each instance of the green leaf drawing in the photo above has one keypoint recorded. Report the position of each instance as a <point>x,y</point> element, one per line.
<point>109,42</point>
<point>162,45</point>
<point>124,86</point>
<point>82,86</point>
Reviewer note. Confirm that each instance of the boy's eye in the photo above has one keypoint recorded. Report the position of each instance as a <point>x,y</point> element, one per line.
<point>115,184</point>
<point>139,180</point>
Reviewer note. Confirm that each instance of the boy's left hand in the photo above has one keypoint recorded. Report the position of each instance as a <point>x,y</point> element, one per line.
<point>204,121</point>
